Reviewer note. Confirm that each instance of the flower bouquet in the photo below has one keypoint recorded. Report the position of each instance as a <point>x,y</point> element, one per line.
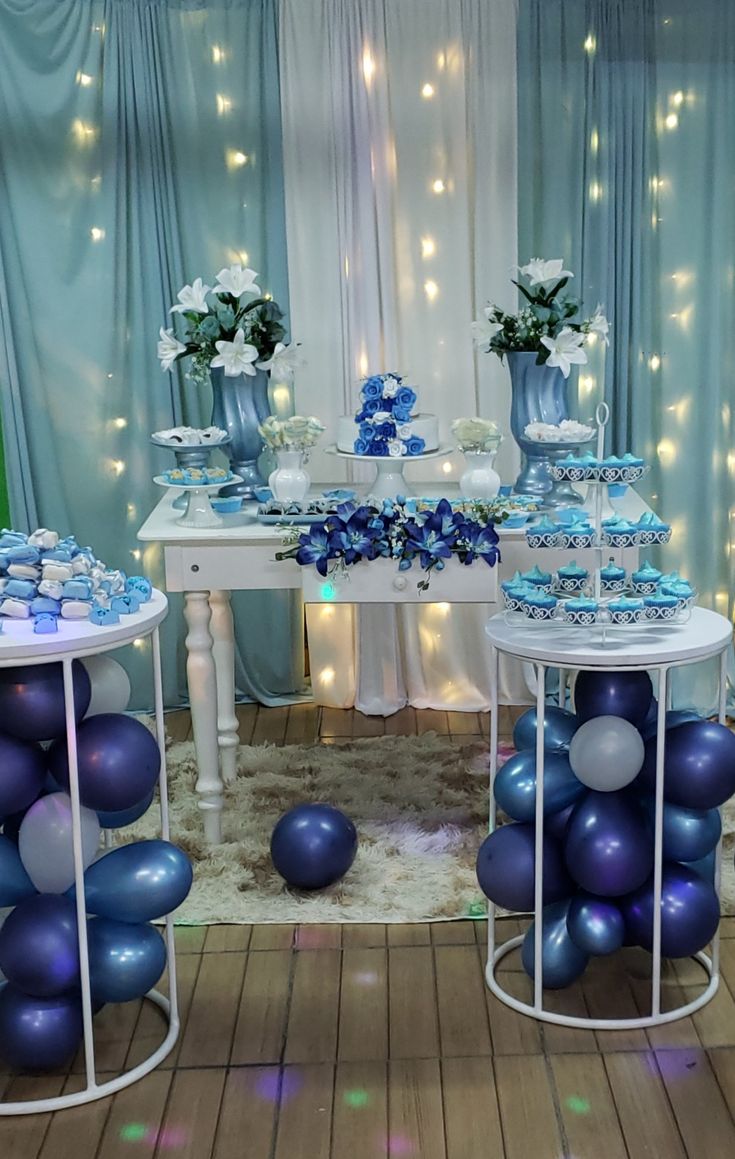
<point>476,434</point>
<point>297,433</point>
<point>545,324</point>
<point>386,530</point>
<point>384,419</point>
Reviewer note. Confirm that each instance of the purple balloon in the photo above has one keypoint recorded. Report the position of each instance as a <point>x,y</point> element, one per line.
<point>313,846</point>
<point>674,717</point>
<point>690,912</point>
<point>39,952</point>
<point>22,773</point>
<point>118,762</point>
<point>699,765</point>
<point>608,848</point>
<point>32,700</point>
<point>505,868</point>
<point>126,816</point>
<point>556,824</point>
<point>15,884</point>
<point>562,962</point>
<point>626,694</point>
<point>38,1034</point>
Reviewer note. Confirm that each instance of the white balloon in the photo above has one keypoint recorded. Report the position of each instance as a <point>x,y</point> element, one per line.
<point>110,685</point>
<point>45,842</point>
<point>606,753</point>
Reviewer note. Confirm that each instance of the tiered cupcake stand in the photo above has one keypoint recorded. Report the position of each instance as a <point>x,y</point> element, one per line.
<point>74,640</point>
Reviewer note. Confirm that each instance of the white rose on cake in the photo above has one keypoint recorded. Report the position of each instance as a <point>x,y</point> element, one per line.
<point>395,448</point>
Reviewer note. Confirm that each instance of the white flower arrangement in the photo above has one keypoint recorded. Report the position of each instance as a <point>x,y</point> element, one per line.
<point>567,431</point>
<point>545,325</point>
<point>224,331</point>
<point>476,434</point>
<point>298,433</point>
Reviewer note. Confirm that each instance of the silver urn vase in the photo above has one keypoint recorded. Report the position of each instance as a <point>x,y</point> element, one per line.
<point>239,405</point>
<point>538,395</point>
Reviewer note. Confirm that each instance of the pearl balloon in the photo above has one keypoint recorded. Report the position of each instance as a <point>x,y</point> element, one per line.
<point>606,753</point>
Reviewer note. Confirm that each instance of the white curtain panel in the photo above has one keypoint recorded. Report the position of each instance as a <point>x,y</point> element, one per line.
<point>399,139</point>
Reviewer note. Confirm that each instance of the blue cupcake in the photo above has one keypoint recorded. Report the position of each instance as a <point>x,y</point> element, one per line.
<point>571,577</point>
<point>651,529</point>
<point>581,610</point>
<point>578,535</point>
<point>682,590</point>
<point>539,605</point>
<point>660,606</point>
<point>645,580</point>
<point>626,611</point>
<point>537,578</point>
<point>612,577</point>
<point>621,534</point>
<point>543,534</point>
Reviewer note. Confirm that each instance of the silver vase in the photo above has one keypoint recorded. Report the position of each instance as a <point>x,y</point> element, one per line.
<point>239,405</point>
<point>538,395</point>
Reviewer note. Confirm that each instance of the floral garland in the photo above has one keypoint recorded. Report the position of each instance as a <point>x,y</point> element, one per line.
<point>387,530</point>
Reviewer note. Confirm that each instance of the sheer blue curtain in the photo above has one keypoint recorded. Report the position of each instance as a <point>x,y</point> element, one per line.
<point>626,166</point>
<point>140,148</point>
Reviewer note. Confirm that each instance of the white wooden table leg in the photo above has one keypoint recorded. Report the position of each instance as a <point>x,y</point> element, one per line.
<point>202,680</point>
<point>223,650</point>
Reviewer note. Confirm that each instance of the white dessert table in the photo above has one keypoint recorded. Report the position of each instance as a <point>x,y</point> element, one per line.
<point>19,645</point>
<point>653,648</point>
<point>208,564</point>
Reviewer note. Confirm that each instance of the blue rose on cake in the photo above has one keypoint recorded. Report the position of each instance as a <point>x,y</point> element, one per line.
<point>386,424</point>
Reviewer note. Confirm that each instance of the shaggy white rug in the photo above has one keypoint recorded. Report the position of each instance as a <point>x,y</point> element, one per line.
<point>420,807</point>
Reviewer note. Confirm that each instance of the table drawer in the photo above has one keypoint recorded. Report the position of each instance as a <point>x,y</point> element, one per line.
<point>380,582</point>
<point>229,567</point>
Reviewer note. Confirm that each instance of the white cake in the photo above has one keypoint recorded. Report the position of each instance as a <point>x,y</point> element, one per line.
<point>385,424</point>
<point>425,427</point>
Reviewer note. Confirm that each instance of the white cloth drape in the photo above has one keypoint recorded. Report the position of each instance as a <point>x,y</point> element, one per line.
<point>399,141</point>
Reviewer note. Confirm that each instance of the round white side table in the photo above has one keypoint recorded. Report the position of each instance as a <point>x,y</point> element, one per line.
<point>73,640</point>
<point>642,648</point>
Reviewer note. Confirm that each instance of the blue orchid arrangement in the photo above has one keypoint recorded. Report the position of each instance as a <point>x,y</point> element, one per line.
<point>387,530</point>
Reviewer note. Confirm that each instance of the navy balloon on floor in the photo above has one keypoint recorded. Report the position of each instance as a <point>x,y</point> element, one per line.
<point>313,846</point>
<point>38,1033</point>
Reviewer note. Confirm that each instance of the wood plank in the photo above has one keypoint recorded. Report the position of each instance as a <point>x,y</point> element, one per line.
<point>21,1136</point>
<point>727,928</point>
<point>178,725</point>
<point>114,1028</point>
<point>366,726</point>
<point>318,937</point>
<point>277,937</point>
<point>263,1011</point>
<point>431,720</point>
<point>312,1022</point>
<point>227,938</point>
<point>361,936</point>
<point>190,1122</point>
<point>643,1109</point>
<point>610,996</point>
<point>587,1106</point>
<point>464,723</point>
<point>453,933</point>
<point>414,1028</point>
<point>247,1117</point>
<point>303,723</point>
<point>304,1119</point>
<point>416,934</point>
<point>463,1026</point>
<point>150,1029</point>
<point>76,1132</point>
<point>209,1029</point>
<point>701,1113</point>
<point>246,715</point>
<point>527,1111</point>
<point>401,723</point>
<point>135,1116</point>
<point>715,1022</point>
<point>511,1032</point>
<point>270,725</point>
<point>723,1064</point>
<point>336,722</point>
<point>360,1116</point>
<point>669,1035</point>
<point>471,1115</point>
<point>189,939</point>
<point>567,1039</point>
<point>363,1005</point>
<point>415,1110</point>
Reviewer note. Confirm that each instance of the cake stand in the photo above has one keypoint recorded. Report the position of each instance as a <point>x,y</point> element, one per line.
<point>560,492</point>
<point>199,512</point>
<point>189,455</point>
<point>389,480</point>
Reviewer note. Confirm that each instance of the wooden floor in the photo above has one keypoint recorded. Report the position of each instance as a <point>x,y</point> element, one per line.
<point>360,1042</point>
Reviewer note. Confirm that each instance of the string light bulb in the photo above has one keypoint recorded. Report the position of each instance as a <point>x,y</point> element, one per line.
<point>438,186</point>
<point>427,91</point>
<point>654,362</point>
<point>590,43</point>
<point>428,247</point>
<point>235,158</point>
<point>84,79</point>
<point>96,233</point>
<point>224,104</point>
<point>431,289</point>
<point>368,66</point>
<point>671,121</point>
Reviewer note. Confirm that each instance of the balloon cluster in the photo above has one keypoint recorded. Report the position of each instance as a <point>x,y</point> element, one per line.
<point>125,889</point>
<point>599,817</point>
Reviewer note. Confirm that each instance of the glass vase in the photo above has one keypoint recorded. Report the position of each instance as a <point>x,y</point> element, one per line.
<point>479,480</point>
<point>289,482</point>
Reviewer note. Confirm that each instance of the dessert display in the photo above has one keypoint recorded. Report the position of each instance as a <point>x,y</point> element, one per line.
<point>611,469</point>
<point>190,437</point>
<point>196,476</point>
<point>385,425</point>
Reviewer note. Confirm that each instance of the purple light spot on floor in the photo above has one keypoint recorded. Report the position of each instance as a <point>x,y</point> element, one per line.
<point>275,1084</point>
<point>366,978</point>
<point>399,1145</point>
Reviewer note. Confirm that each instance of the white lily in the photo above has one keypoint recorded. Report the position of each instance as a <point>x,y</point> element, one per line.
<point>565,349</point>
<point>193,297</point>
<point>484,331</point>
<point>236,281</point>
<point>169,348</point>
<point>599,325</point>
<point>236,357</point>
<point>283,362</point>
<point>539,272</point>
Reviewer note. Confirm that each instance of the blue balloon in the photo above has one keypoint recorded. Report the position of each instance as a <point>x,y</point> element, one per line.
<point>39,952</point>
<point>137,882</point>
<point>608,848</point>
<point>313,846</point>
<point>595,924</point>
<point>125,959</point>
<point>689,834</point>
<point>118,760</point>
<point>559,728</point>
<point>690,912</point>
<point>15,884</point>
<point>32,699</point>
<point>126,816</point>
<point>505,868</point>
<point>556,824</point>
<point>705,867</point>
<point>699,765</point>
<point>648,726</point>
<point>22,773</point>
<point>610,693</point>
<point>38,1034</point>
<point>674,717</point>
<point>515,785</point>
<point>561,961</point>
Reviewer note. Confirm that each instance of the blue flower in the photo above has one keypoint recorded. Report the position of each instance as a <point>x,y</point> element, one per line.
<point>372,388</point>
<point>356,539</point>
<point>386,430</point>
<point>362,447</point>
<point>433,537</point>
<point>371,406</point>
<point>415,445</point>
<point>316,547</point>
<point>404,398</point>
<point>379,448</point>
<point>481,542</point>
<point>401,415</point>
<point>367,432</point>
